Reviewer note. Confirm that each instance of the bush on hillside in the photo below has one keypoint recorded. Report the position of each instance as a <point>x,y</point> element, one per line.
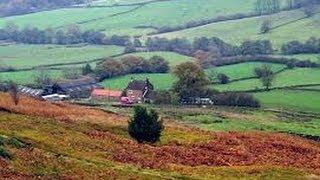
<point>237,100</point>
<point>5,154</point>
<point>223,79</point>
<point>145,125</point>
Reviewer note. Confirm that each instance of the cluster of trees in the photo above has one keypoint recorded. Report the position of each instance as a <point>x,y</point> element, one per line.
<point>295,47</point>
<point>14,7</point>
<point>131,65</point>
<point>267,6</point>
<point>192,83</point>
<point>215,46</point>
<point>71,35</point>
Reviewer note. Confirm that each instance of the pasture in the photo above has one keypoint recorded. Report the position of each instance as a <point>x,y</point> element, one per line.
<point>26,56</point>
<point>243,70</point>
<point>62,17</point>
<point>287,27</point>
<point>291,99</point>
<point>160,81</point>
<point>294,77</point>
<point>173,58</point>
<point>125,20</point>
<point>28,77</point>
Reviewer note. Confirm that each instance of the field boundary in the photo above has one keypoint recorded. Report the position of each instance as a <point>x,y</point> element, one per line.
<point>293,87</point>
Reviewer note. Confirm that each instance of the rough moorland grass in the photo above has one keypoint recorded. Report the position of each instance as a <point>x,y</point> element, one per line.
<point>24,56</point>
<point>291,99</point>
<point>160,81</point>
<point>71,150</point>
<point>28,77</point>
<point>243,70</point>
<point>173,58</point>
<point>298,76</point>
<point>62,17</point>
<point>237,31</point>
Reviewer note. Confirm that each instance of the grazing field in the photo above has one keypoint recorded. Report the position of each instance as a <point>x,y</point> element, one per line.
<point>69,141</point>
<point>160,81</point>
<point>158,14</point>
<point>298,76</point>
<point>311,57</point>
<point>256,121</point>
<point>173,58</point>
<point>243,70</point>
<point>287,23</point>
<point>28,77</point>
<point>291,99</point>
<point>26,56</point>
<point>117,2</point>
<point>62,17</point>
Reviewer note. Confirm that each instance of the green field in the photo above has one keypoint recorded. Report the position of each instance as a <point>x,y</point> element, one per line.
<point>28,77</point>
<point>236,31</point>
<point>62,17</point>
<point>243,70</point>
<point>291,99</point>
<point>116,2</point>
<point>311,57</point>
<point>24,56</point>
<point>261,122</point>
<point>160,81</point>
<point>173,58</point>
<point>166,13</point>
<point>299,76</point>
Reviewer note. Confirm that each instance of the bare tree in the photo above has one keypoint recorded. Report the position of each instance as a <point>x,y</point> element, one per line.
<point>13,89</point>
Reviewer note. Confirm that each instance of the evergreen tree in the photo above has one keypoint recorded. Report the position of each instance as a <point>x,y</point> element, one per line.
<point>145,125</point>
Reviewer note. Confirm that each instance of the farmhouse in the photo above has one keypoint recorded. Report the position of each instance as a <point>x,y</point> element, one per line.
<point>139,91</point>
<point>106,95</point>
<point>79,88</point>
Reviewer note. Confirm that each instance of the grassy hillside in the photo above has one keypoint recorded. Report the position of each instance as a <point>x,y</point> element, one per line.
<point>173,58</point>
<point>28,77</point>
<point>68,141</point>
<point>291,99</point>
<point>25,56</point>
<point>62,17</point>
<point>166,13</point>
<point>288,28</point>
<point>300,76</point>
<point>243,70</point>
<point>160,81</point>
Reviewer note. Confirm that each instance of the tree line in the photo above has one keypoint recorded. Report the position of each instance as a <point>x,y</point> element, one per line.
<point>71,35</point>
<point>130,65</point>
<point>312,45</point>
<point>16,7</point>
<point>214,45</point>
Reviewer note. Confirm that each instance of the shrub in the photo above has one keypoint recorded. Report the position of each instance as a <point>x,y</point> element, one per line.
<point>15,142</point>
<point>223,79</point>
<point>5,154</point>
<point>237,99</point>
<point>145,125</point>
<point>163,97</point>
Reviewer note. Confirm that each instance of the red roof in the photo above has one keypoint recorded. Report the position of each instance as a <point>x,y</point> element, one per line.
<point>106,93</point>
